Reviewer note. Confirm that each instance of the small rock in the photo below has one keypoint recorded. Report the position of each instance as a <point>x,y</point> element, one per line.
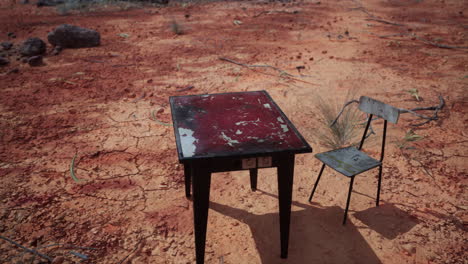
<point>11,35</point>
<point>41,3</point>
<point>4,61</point>
<point>57,50</point>
<point>6,45</point>
<point>35,61</point>
<point>409,248</point>
<point>69,36</point>
<point>32,47</point>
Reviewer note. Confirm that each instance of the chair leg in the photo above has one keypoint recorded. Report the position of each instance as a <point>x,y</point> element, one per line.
<point>316,182</point>
<point>378,186</point>
<point>349,198</point>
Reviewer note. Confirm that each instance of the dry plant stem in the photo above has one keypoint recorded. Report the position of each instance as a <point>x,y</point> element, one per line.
<point>95,61</point>
<point>436,111</point>
<point>32,251</point>
<point>402,111</point>
<point>271,12</point>
<point>341,111</point>
<point>425,170</point>
<point>384,21</point>
<point>290,76</point>
<point>442,46</point>
<point>133,251</point>
<point>374,18</point>
<point>257,66</point>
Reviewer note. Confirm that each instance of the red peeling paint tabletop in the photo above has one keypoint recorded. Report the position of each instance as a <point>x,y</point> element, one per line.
<point>232,124</point>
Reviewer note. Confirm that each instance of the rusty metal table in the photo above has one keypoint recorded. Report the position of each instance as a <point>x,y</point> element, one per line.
<point>229,132</point>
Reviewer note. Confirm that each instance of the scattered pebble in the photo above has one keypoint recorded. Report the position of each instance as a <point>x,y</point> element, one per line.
<point>33,47</point>
<point>7,45</point>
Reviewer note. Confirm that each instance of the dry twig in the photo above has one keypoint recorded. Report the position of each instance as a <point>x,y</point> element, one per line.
<point>384,21</point>
<point>282,72</point>
<point>435,116</point>
<point>32,251</point>
<point>185,89</point>
<point>272,12</point>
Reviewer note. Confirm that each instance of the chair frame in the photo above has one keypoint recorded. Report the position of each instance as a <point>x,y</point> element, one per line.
<point>381,110</point>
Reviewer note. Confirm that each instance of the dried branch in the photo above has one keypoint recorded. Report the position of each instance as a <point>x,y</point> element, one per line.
<point>443,46</point>
<point>384,21</point>
<point>342,110</point>
<point>133,251</point>
<point>32,251</point>
<point>282,72</point>
<point>272,12</point>
<point>435,116</point>
<point>185,89</point>
<point>95,61</point>
<point>438,45</point>
<point>389,36</point>
<point>436,111</point>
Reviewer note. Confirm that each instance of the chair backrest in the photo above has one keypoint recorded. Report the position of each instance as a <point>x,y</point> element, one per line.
<point>382,110</point>
<point>377,108</point>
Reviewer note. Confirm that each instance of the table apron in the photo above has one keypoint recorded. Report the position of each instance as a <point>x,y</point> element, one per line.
<point>235,164</point>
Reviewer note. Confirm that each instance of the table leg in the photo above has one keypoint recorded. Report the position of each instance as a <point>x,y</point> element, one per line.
<point>285,185</point>
<point>188,179</point>
<point>201,199</point>
<point>253,179</point>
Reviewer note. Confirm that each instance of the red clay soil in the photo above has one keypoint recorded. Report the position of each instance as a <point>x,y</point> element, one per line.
<point>128,205</point>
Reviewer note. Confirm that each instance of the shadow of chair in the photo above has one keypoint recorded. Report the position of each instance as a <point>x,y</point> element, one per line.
<point>313,238</point>
<point>387,220</point>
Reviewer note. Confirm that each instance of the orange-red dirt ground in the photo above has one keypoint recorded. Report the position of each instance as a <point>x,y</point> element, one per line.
<point>129,203</point>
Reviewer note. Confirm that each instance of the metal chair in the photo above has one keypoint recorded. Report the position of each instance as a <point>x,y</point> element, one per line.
<point>351,161</point>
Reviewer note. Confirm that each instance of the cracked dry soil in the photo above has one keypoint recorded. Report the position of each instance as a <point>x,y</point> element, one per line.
<point>129,201</point>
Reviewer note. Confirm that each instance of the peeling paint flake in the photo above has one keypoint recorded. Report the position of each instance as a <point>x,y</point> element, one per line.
<point>187,141</point>
<point>280,119</point>
<point>244,123</point>
<point>285,128</point>
<point>267,106</point>
<point>238,132</point>
<point>229,140</point>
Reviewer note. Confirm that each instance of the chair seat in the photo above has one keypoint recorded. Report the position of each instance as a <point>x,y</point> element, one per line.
<point>348,161</point>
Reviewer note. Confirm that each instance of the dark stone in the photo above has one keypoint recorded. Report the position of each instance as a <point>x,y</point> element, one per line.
<point>6,45</point>
<point>24,2</point>
<point>4,61</point>
<point>69,36</point>
<point>11,35</point>
<point>32,47</point>
<point>161,2</point>
<point>35,61</point>
<point>41,3</point>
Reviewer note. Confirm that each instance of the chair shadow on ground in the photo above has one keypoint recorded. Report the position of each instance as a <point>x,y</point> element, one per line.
<point>316,235</point>
<point>387,219</point>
